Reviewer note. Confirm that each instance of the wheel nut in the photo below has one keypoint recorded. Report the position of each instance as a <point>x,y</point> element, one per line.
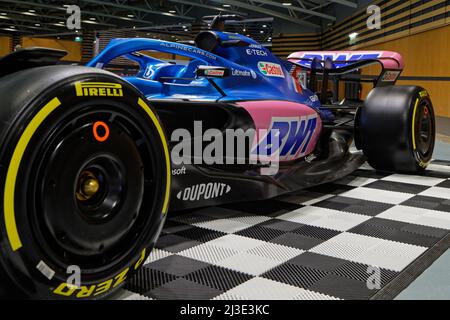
<point>90,187</point>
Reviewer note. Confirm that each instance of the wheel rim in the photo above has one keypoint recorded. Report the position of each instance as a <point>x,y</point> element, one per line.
<point>424,131</point>
<point>88,209</point>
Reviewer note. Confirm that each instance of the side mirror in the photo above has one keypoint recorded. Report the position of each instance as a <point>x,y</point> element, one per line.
<point>212,72</point>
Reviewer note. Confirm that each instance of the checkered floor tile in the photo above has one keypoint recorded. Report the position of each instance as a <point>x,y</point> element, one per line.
<point>323,243</point>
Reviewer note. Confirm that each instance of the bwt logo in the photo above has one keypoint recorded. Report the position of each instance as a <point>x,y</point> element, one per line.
<point>337,57</point>
<point>293,136</point>
<point>98,89</point>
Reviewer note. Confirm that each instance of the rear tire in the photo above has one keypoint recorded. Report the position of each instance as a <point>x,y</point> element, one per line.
<point>85,179</point>
<point>397,129</point>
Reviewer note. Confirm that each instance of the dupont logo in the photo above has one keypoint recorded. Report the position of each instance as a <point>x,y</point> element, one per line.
<point>270,69</point>
<point>98,89</point>
<point>204,191</point>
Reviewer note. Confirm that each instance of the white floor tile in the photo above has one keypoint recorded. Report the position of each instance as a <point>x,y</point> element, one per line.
<point>424,217</point>
<point>437,192</point>
<point>275,252</point>
<point>157,254</point>
<point>250,220</point>
<point>372,251</point>
<point>411,179</point>
<point>325,218</point>
<point>229,296</point>
<point>438,167</point>
<point>209,253</point>
<point>265,289</point>
<point>249,263</point>
<point>311,295</point>
<point>388,260</point>
<point>236,242</point>
<point>377,195</point>
<point>223,225</point>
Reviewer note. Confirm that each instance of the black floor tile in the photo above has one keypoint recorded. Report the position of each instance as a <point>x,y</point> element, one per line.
<point>218,278</point>
<point>358,206</point>
<point>261,233</point>
<point>343,288</point>
<point>317,261</point>
<point>397,186</point>
<point>177,265</point>
<point>182,289</point>
<point>295,275</point>
<point>298,241</point>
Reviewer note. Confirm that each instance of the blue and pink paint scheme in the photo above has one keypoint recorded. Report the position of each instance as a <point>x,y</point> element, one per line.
<point>259,82</point>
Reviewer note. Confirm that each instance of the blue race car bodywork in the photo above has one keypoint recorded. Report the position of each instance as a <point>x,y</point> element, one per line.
<point>229,81</point>
<point>255,72</point>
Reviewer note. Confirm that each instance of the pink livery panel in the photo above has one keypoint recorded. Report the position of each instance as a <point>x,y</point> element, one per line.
<point>285,130</point>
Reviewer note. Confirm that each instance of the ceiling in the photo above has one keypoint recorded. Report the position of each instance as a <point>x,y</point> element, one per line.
<point>45,17</point>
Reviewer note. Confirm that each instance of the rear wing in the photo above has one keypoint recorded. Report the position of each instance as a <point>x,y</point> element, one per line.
<point>336,63</point>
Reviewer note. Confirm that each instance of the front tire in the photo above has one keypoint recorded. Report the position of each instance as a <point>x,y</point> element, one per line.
<point>85,175</point>
<point>397,129</point>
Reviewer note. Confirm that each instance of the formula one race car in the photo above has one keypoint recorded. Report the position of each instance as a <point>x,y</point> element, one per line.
<point>87,169</point>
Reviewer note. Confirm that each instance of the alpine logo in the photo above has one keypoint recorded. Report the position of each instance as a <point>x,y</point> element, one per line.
<point>294,136</point>
<point>204,191</point>
<point>270,69</point>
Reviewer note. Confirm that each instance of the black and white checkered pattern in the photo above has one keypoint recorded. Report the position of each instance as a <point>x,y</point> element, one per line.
<point>318,244</point>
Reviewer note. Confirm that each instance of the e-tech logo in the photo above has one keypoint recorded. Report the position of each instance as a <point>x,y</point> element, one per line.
<point>256,52</point>
<point>270,69</point>
<point>204,191</point>
<point>98,89</point>
<point>346,58</point>
<point>294,136</point>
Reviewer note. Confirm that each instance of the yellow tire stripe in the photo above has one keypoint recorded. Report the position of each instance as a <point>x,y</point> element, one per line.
<point>166,150</point>
<point>11,176</point>
<point>414,125</point>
